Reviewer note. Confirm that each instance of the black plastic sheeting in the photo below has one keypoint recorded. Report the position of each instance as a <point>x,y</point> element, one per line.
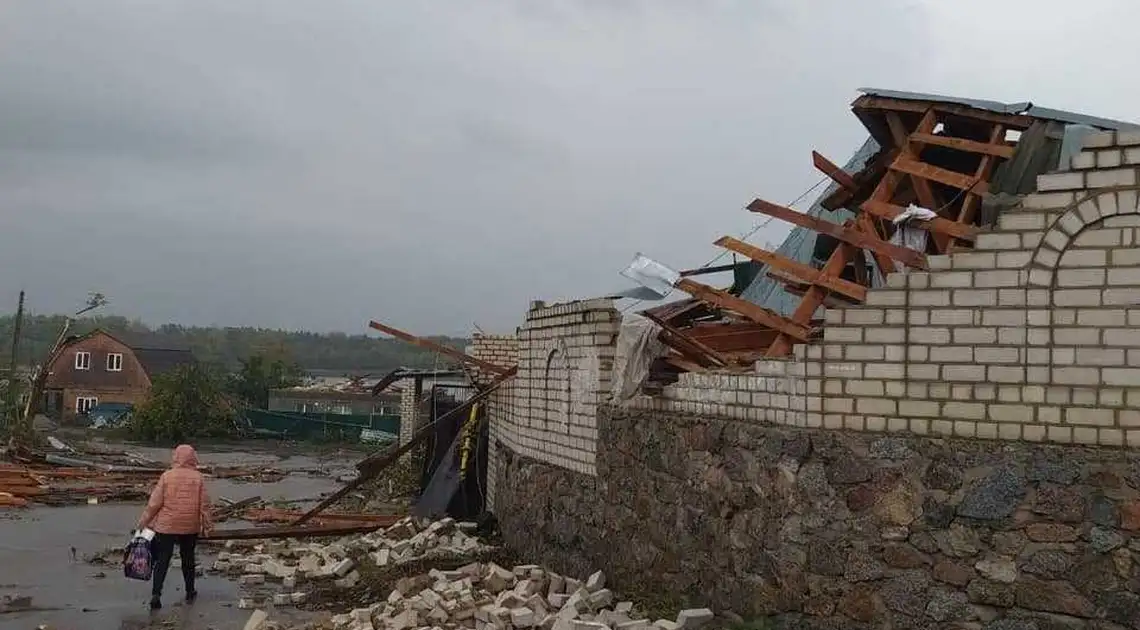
<point>451,485</point>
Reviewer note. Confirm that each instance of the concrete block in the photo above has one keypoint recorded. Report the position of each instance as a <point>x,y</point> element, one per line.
<point>1083,160</point>
<point>665,624</point>
<point>963,373</point>
<point>1099,139</point>
<point>342,567</point>
<point>601,598</point>
<point>256,621</point>
<point>694,618</point>
<point>964,410</point>
<point>1060,181</point>
<point>989,241</point>
<point>1124,276</point>
<point>1011,413</point>
<point>974,297</point>
<point>1110,178</point>
<point>1090,376</point>
<point>348,581</point>
<point>596,582</point>
<point>974,260</point>
<point>1127,137</point>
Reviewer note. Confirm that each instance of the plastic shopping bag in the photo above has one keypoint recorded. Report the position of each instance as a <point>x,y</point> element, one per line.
<point>136,559</point>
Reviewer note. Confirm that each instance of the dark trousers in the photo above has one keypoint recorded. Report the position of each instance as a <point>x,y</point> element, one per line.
<point>162,551</point>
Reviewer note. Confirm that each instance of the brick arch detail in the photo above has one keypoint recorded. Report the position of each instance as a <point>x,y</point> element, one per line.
<point>1084,212</point>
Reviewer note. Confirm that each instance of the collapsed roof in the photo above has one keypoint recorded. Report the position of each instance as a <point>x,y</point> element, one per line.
<point>964,160</point>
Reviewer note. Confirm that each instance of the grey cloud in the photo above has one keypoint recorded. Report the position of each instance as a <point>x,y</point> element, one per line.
<point>312,165</point>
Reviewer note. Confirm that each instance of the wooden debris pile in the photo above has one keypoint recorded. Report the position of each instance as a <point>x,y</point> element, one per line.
<point>936,154</point>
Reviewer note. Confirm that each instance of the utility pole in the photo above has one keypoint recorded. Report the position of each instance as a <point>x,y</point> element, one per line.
<point>13,381</point>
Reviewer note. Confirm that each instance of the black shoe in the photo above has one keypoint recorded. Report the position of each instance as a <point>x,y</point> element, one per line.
<point>191,596</point>
<point>155,603</point>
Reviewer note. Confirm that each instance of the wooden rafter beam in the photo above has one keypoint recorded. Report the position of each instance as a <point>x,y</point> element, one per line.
<point>846,234</point>
<point>888,211</point>
<point>673,311</point>
<point>871,173</point>
<point>806,273</point>
<point>1014,121</point>
<point>911,166</point>
<point>985,170</point>
<point>812,299</point>
<point>908,149</point>
<point>686,345</point>
<point>758,314</point>
<point>733,337</point>
<point>436,347</point>
<point>832,170</point>
<point>996,149</point>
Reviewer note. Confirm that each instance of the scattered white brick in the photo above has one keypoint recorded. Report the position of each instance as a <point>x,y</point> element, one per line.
<point>694,618</point>
<point>257,620</point>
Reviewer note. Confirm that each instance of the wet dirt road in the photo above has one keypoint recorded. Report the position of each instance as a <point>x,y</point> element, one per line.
<point>67,594</point>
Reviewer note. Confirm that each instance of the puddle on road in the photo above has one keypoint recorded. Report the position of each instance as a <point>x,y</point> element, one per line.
<point>35,553</point>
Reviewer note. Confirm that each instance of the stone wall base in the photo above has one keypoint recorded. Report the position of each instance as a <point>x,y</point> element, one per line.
<point>825,529</point>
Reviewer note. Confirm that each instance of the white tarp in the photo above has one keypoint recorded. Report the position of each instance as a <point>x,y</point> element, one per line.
<point>909,236</point>
<point>637,347</point>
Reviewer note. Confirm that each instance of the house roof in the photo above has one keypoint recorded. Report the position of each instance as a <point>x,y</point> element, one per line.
<point>158,361</point>
<point>155,361</point>
<point>1027,108</point>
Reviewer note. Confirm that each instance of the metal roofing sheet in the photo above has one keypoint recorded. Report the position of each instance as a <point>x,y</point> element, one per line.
<point>1024,107</point>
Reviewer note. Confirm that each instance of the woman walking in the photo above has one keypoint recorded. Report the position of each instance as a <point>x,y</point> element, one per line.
<point>178,511</point>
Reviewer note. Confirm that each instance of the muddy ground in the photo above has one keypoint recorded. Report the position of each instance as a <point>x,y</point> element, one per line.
<point>69,594</point>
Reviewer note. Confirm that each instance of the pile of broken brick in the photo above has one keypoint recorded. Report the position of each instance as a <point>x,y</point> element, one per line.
<point>479,596</point>
<point>290,561</point>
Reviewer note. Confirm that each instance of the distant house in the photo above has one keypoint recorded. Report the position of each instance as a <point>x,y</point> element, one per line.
<point>100,368</point>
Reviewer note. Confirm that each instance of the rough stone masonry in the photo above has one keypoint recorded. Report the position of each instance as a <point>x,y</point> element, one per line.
<point>957,453</point>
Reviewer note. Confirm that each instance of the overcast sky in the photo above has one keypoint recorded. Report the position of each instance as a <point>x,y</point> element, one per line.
<point>311,165</point>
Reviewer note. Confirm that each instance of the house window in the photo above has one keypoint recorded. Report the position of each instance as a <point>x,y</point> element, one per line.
<point>83,360</point>
<point>114,362</point>
<point>84,404</point>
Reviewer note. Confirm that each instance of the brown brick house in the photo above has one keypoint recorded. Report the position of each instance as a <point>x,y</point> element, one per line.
<point>100,368</point>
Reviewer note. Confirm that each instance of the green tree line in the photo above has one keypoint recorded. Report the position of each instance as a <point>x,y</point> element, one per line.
<point>228,347</point>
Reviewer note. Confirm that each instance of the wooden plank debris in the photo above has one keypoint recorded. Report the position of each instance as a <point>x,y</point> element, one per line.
<point>370,467</point>
<point>962,144</point>
<point>846,234</point>
<point>910,166</point>
<point>756,313</point>
<point>436,347</point>
<point>807,273</point>
<point>837,174</point>
<point>686,345</point>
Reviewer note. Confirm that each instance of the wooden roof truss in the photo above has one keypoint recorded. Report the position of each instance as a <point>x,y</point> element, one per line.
<point>937,155</point>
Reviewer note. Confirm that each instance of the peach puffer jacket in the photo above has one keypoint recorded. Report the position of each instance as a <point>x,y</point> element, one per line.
<point>179,504</point>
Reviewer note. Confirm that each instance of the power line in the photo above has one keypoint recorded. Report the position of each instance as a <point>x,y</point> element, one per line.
<point>744,237</point>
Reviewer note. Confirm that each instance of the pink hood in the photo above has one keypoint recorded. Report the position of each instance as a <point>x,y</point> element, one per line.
<point>185,457</point>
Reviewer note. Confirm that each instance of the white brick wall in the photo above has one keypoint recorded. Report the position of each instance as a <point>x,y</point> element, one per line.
<point>1032,336</point>
<point>549,411</point>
